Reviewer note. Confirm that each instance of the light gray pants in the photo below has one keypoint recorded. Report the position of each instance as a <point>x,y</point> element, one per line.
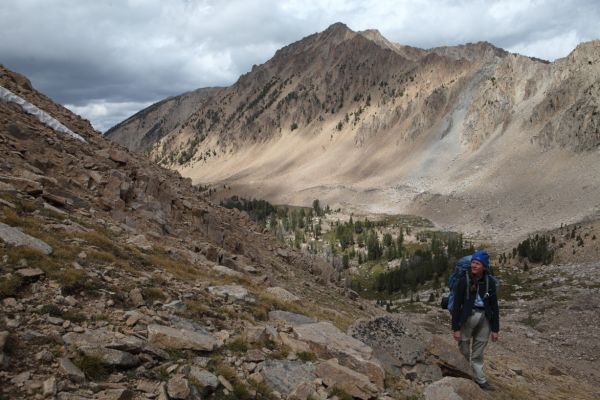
<point>477,328</point>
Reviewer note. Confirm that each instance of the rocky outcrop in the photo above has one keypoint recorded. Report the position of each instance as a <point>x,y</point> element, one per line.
<point>451,388</point>
<point>166,337</point>
<point>353,383</point>
<point>15,237</point>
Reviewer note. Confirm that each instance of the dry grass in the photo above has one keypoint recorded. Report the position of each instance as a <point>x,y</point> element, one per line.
<point>10,285</point>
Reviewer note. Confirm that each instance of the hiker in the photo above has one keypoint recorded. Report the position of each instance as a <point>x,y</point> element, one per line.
<point>475,314</point>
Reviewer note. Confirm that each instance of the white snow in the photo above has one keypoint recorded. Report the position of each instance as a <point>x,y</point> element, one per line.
<point>44,117</point>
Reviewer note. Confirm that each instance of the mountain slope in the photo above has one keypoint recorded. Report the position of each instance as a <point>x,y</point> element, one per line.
<point>146,127</point>
<point>351,118</point>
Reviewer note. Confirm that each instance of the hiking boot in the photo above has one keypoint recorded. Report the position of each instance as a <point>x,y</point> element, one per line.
<point>486,386</point>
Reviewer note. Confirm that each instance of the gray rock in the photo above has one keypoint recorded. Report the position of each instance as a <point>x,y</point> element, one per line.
<point>231,292</point>
<point>16,237</point>
<point>284,376</point>
<point>112,357</point>
<point>450,388</point>
<point>3,339</point>
<point>290,318</point>
<point>178,387</point>
<point>104,338</point>
<point>223,270</point>
<point>352,382</point>
<point>114,394</point>
<point>49,387</point>
<point>71,370</point>
<point>208,381</point>
<point>328,341</point>
<point>282,295</point>
<point>31,273</point>
<point>135,295</point>
<point>179,339</point>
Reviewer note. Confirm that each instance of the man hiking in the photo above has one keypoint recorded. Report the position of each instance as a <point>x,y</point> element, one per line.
<point>475,314</point>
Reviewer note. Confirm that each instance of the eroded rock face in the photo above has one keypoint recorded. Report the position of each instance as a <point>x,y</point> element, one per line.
<point>284,376</point>
<point>166,337</point>
<point>231,292</point>
<point>282,294</point>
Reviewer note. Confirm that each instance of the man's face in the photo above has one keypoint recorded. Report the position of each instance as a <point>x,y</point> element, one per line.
<point>476,267</point>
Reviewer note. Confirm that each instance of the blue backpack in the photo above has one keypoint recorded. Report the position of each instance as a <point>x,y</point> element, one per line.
<point>462,268</point>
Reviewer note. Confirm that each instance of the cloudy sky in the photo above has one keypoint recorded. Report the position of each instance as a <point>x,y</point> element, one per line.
<point>107,59</point>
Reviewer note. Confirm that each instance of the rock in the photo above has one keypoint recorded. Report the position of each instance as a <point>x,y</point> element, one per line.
<point>226,384</point>
<point>10,302</point>
<point>234,292</point>
<point>206,379</point>
<point>179,339</point>
<point>290,318</point>
<point>135,295</point>
<point>55,320</point>
<point>223,270</point>
<point>3,339</point>
<point>451,388</point>
<point>45,356</point>
<point>255,355</point>
<point>282,294</point>
<point>21,378</point>
<point>516,369</point>
<point>112,357</point>
<point>31,274</point>
<point>178,387</point>
<point>49,387</point>
<point>352,295</point>
<point>449,358</point>
<point>296,346</point>
<point>140,242</point>
<point>114,394</point>
<point>118,156</point>
<point>354,383</point>
<point>284,376</point>
<point>303,391</point>
<point>102,337</point>
<point>328,341</point>
<point>147,386</point>
<point>71,370</point>
<point>15,237</point>
<point>176,305</point>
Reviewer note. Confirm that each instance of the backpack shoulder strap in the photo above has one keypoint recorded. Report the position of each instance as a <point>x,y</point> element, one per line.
<point>467,285</point>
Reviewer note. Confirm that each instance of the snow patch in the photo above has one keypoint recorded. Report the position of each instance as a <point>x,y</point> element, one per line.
<point>42,116</point>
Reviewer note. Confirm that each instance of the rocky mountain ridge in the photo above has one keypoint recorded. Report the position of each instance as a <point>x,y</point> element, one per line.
<point>351,118</point>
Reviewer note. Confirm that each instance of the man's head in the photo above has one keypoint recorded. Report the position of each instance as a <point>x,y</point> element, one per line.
<point>480,260</point>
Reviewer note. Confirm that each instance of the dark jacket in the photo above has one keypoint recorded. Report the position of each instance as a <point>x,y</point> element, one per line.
<point>463,306</point>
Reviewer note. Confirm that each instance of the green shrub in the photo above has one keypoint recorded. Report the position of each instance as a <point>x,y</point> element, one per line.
<point>91,366</point>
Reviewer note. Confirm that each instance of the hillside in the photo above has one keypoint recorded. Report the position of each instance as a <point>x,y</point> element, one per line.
<point>119,280</point>
<point>356,120</point>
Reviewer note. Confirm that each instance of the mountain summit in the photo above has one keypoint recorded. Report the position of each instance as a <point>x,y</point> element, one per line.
<point>351,117</point>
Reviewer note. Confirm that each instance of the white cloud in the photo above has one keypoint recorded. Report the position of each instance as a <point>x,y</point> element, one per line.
<point>105,114</point>
<point>137,51</point>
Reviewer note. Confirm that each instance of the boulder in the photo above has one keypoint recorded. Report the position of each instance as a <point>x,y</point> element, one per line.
<point>141,242</point>
<point>15,237</point>
<point>451,388</point>
<point>231,292</point>
<point>204,378</point>
<point>135,295</point>
<point>112,357</point>
<point>284,376</point>
<point>282,295</point>
<point>328,341</point>
<point>178,387</point>
<point>166,337</point>
<point>223,270</point>
<point>104,338</point>
<point>70,370</point>
<point>114,394</point>
<point>290,318</point>
<point>449,358</point>
<point>335,375</point>
<point>49,387</point>
<point>30,274</point>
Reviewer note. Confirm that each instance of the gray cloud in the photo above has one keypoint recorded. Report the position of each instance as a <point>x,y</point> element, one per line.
<point>107,59</point>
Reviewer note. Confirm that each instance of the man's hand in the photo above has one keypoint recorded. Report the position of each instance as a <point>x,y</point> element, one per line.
<point>456,335</point>
<point>494,336</point>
